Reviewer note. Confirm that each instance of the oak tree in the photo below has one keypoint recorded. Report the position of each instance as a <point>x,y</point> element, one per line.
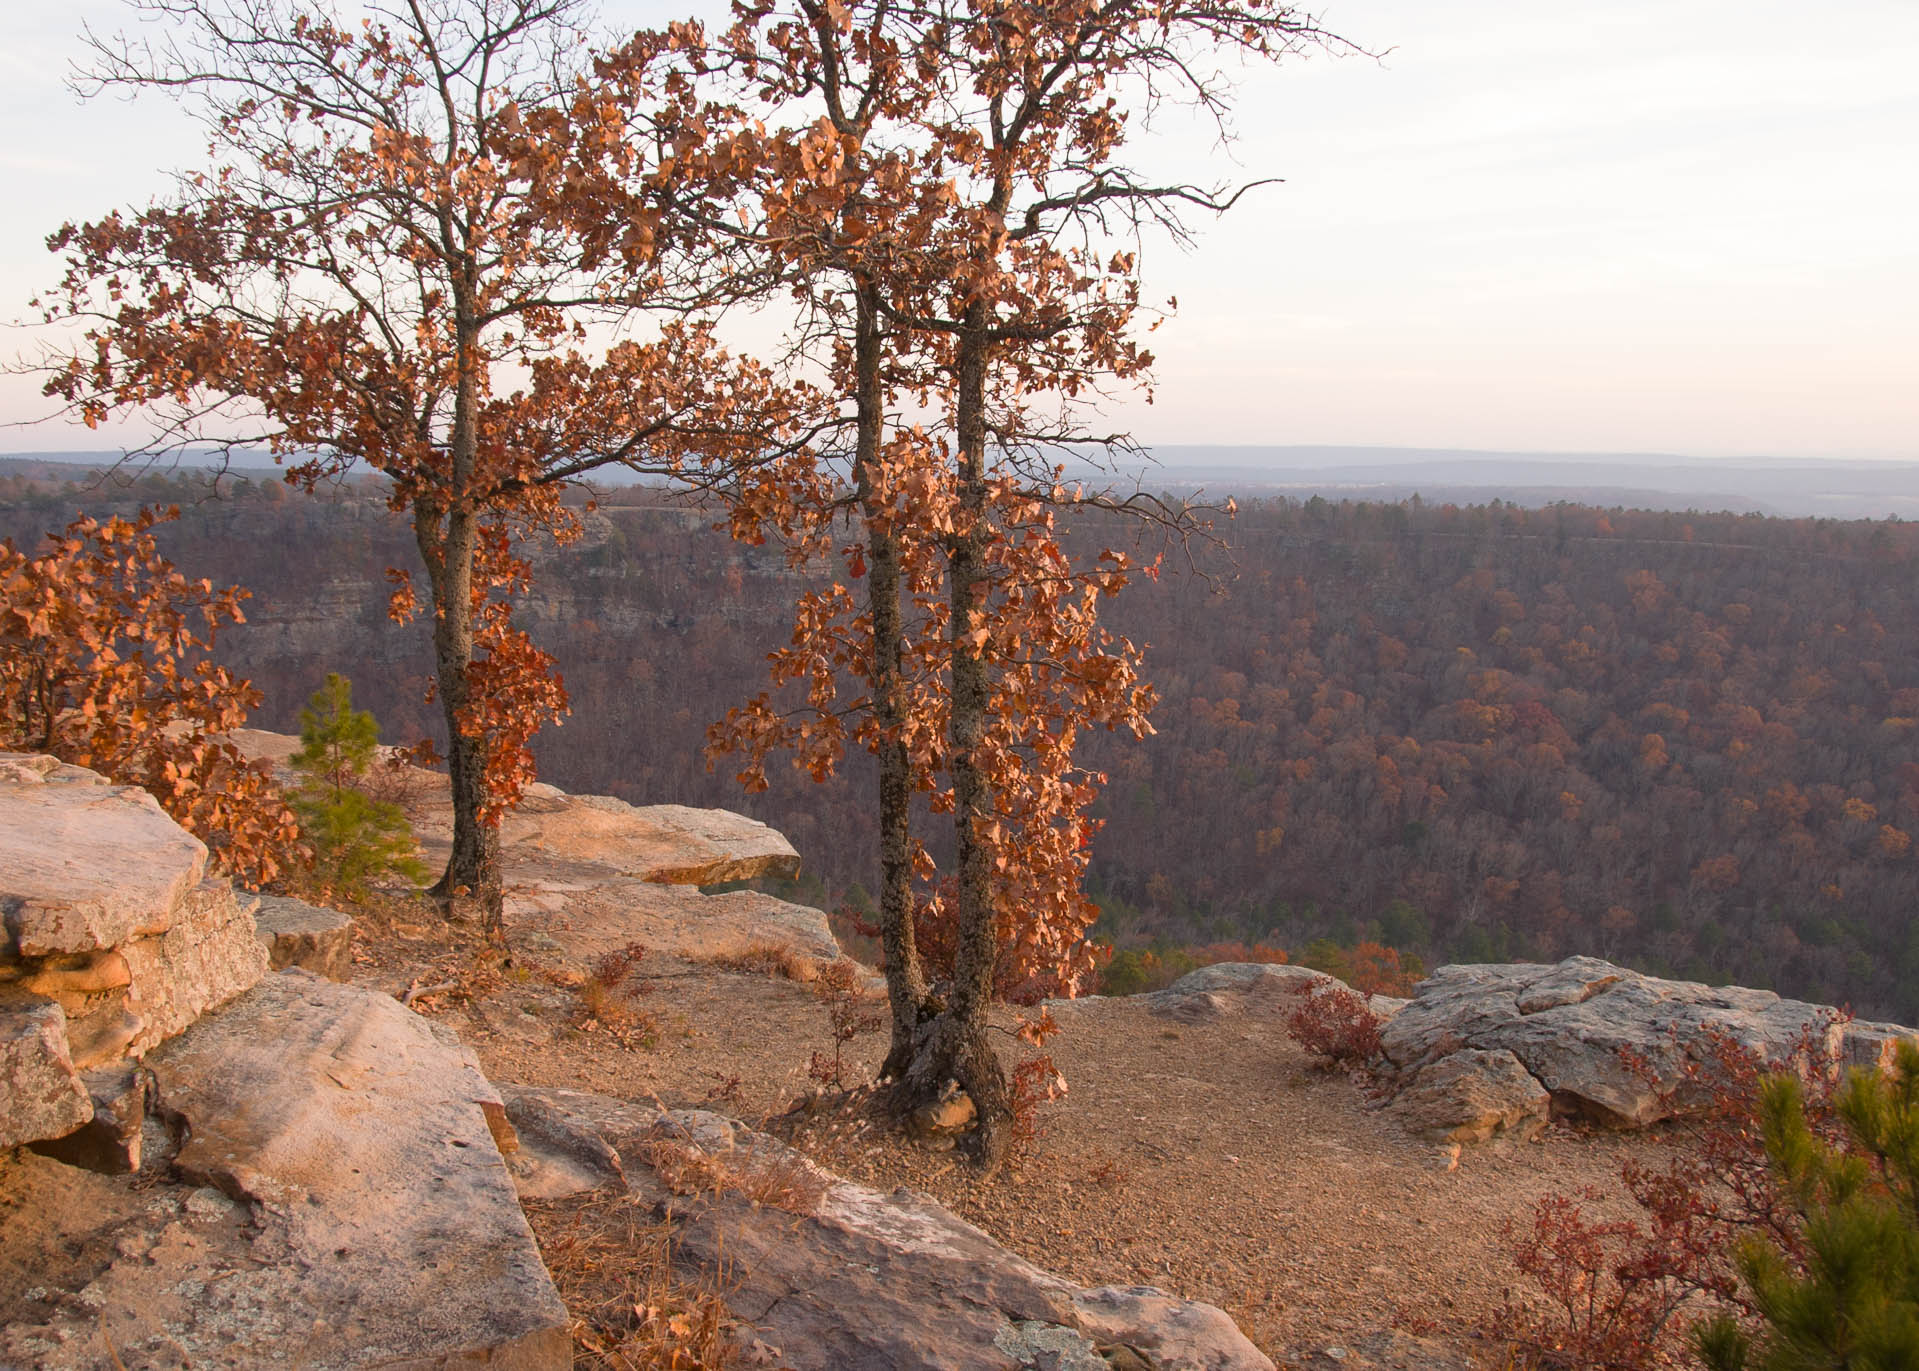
<point>379,268</point>
<point>969,295</point>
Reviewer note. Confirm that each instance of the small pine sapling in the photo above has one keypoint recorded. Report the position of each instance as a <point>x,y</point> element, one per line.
<point>355,838</point>
<point>1847,1292</point>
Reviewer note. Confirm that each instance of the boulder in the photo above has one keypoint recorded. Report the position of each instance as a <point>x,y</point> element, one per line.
<point>715,845</point>
<point>355,1211</point>
<point>108,914</point>
<point>1226,988</point>
<point>41,1095</point>
<point>1163,1331</point>
<point>663,844</point>
<point>1873,1046</point>
<point>296,933</point>
<point>206,956</point>
<point>828,1274</point>
<point>1610,1043</point>
<point>85,865</point>
<point>1471,1096</point>
<point>1385,1007</point>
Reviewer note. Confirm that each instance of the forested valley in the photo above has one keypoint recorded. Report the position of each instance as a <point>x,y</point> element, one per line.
<point>1685,742</point>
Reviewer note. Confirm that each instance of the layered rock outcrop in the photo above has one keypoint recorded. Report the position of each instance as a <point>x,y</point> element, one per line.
<point>1597,1040</point>
<point>295,933</point>
<point>115,938</point>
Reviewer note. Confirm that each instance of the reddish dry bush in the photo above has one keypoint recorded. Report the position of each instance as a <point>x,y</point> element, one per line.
<point>402,774</point>
<point>612,970</point>
<point>1334,1023</point>
<point>838,987</point>
<point>1622,1293</point>
<point>1035,1081</point>
<point>102,664</point>
<point>1613,1288</point>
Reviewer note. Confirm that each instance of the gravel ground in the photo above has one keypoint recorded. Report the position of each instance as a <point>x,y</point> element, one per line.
<point>1213,1160</point>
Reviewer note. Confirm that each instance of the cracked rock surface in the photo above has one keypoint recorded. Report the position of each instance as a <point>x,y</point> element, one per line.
<point>326,1194</point>
<point>1602,1041</point>
<point>843,1277</point>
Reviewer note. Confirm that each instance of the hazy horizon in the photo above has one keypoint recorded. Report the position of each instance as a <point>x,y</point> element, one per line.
<point>1780,486</point>
<point>1667,226</point>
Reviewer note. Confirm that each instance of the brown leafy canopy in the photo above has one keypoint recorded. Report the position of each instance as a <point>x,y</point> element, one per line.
<point>102,664</point>
<point>391,261</point>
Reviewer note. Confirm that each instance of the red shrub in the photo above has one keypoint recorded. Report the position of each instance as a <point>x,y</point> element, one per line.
<point>1335,1023</point>
<point>1624,1293</point>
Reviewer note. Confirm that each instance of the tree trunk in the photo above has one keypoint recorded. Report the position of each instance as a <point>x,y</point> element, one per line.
<point>952,1045</point>
<point>473,868</point>
<point>905,975</point>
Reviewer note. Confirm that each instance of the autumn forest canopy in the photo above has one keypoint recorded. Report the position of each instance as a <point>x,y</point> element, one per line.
<point>1687,742</point>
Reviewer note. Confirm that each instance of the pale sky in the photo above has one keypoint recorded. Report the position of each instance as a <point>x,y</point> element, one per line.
<point>1682,226</point>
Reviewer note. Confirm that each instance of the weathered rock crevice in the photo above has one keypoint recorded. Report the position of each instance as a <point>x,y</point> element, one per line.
<point>115,939</point>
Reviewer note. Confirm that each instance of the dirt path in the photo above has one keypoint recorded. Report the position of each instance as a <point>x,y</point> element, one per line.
<point>1212,1160</point>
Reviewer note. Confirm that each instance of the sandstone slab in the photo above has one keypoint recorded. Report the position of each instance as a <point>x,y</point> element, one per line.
<point>355,1210</point>
<point>841,1276</point>
<point>85,865</point>
<point>1610,1043</point>
<point>1162,1330</point>
<point>296,933</point>
<point>1873,1046</point>
<point>210,953</point>
<point>41,1095</point>
<point>588,920</point>
<point>666,844</point>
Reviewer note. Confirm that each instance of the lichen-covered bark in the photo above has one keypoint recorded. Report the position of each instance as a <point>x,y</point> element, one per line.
<point>905,976</point>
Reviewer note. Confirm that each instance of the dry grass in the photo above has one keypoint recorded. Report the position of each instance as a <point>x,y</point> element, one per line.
<point>603,1007</point>
<point>763,957</point>
<point>774,1178</point>
<point>628,1310</point>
